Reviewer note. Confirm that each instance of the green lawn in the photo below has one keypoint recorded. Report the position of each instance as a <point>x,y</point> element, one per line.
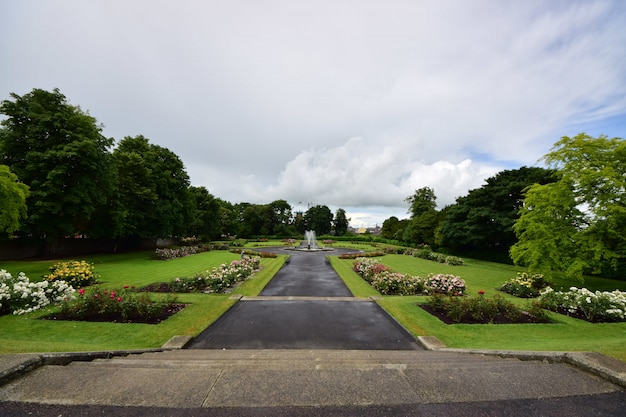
<point>28,333</point>
<point>565,334</point>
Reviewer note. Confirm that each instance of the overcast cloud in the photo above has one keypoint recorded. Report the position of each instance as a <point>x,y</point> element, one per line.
<point>352,104</point>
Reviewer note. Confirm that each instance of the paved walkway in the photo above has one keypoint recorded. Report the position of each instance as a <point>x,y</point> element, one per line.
<point>261,359</point>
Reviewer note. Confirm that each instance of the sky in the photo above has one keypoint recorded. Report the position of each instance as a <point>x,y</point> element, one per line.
<point>353,104</point>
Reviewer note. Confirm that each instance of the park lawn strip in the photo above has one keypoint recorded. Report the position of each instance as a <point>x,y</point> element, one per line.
<point>564,334</point>
<point>27,333</point>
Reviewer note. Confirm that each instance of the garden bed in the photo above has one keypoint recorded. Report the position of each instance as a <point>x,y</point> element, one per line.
<point>523,318</point>
<point>167,311</point>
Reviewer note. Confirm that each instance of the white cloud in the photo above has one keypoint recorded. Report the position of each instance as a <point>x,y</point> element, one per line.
<point>350,104</point>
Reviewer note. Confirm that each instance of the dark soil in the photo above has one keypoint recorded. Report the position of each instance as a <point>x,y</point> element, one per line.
<point>467,319</point>
<point>167,312</point>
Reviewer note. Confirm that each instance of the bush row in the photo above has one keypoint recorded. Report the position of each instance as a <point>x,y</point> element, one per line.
<point>394,283</point>
<point>599,306</point>
<point>219,278</point>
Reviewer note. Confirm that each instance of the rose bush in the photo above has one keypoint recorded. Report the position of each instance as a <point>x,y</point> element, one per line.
<point>219,278</point>
<point>388,282</point>
<point>525,285</point>
<point>77,273</point>
<point>599,306</point>
<point>18,295</point>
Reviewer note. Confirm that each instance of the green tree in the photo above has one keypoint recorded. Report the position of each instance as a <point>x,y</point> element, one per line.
<point>422,201</point>
<point>60,153</point>
<point>341,222</point>
<point>390,227</point>
<point>13,195</point>
<point>483,220</point>
<point>319,218</point>
<point>153,190</point>
<point>424,218</point>
<point>280,218</point>
<point>205,219</point>
<point>576,224</point>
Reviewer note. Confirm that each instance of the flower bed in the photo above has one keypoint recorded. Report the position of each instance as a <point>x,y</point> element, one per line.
<point>482,310</point>
<point>361,255</point>
<point>394,283</point>
<point>117,305</point>
<point>165,254</point>
<point>219,279</point>
<point>525,285</point>
<point>599,306</point>
<point>20,296</point>
<point>76,273</point>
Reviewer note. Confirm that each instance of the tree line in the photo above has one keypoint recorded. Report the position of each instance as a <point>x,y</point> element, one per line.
<point>60,177</point>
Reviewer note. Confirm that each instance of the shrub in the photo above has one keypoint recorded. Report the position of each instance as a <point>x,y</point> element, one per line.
<point>481,309</point>
<point>165,254</point>
<point>367,268</point>
<point>362,255</point>
<point>105,304</point>
<point>219,278</point>
<point>599,306</point>
<point>20,296</point>
<point>525,285</point>
<point>395,283</point>
<point>76,273</point>
<point>445,284</point>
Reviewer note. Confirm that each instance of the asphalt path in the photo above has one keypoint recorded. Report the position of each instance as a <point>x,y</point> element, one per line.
<point>319,323</point>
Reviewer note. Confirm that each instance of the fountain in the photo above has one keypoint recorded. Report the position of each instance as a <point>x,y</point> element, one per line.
<point>311,241</point>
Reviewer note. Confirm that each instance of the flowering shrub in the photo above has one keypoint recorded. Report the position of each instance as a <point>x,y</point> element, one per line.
<point>445,284</point>
<point>20,296</point>
<point>525,285</point>
<point>599,306</point>
<point>219,278</point>
<point>484,310</point>
<point>367,268</point>
<point>76,273</point>
<point>251,253</point>
<point>109,304</point>
<point>387,282</point>
<point>165,254</point>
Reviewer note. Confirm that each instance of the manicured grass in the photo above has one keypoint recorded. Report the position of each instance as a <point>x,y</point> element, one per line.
<point>565,334</point>
<point>29,334</point>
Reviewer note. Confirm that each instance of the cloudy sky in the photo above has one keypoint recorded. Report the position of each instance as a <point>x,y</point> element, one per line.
<point>349,103</point>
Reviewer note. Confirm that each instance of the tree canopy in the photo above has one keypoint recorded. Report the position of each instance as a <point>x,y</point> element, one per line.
<point>58,151</point>
<point>576,224</point>
<point>13,195</point>
<point>483,220</point>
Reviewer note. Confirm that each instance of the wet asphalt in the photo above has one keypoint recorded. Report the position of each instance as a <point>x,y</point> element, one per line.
<point>326,317</point>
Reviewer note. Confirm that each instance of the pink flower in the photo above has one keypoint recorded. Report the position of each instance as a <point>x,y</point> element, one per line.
<point>81,291</point>
<point>119,299</point>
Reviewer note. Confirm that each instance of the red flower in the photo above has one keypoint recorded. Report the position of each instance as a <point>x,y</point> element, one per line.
<point>81,291</point>
<point>126,287</point>
<point>119,299</point>
<point>481,292</point>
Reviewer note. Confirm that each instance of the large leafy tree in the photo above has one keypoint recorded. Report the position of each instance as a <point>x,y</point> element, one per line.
<point>424,217</point>
<point>205,219</point>
<point>341,222</point>
<point>13,196</point>
<point>483,220</point>
<point>153,190</point>
<point>58,151</point>
<point>576,224</point>
<point>319,218</point>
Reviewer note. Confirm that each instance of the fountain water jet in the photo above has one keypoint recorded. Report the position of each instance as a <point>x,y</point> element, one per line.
<point>311,241</point>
